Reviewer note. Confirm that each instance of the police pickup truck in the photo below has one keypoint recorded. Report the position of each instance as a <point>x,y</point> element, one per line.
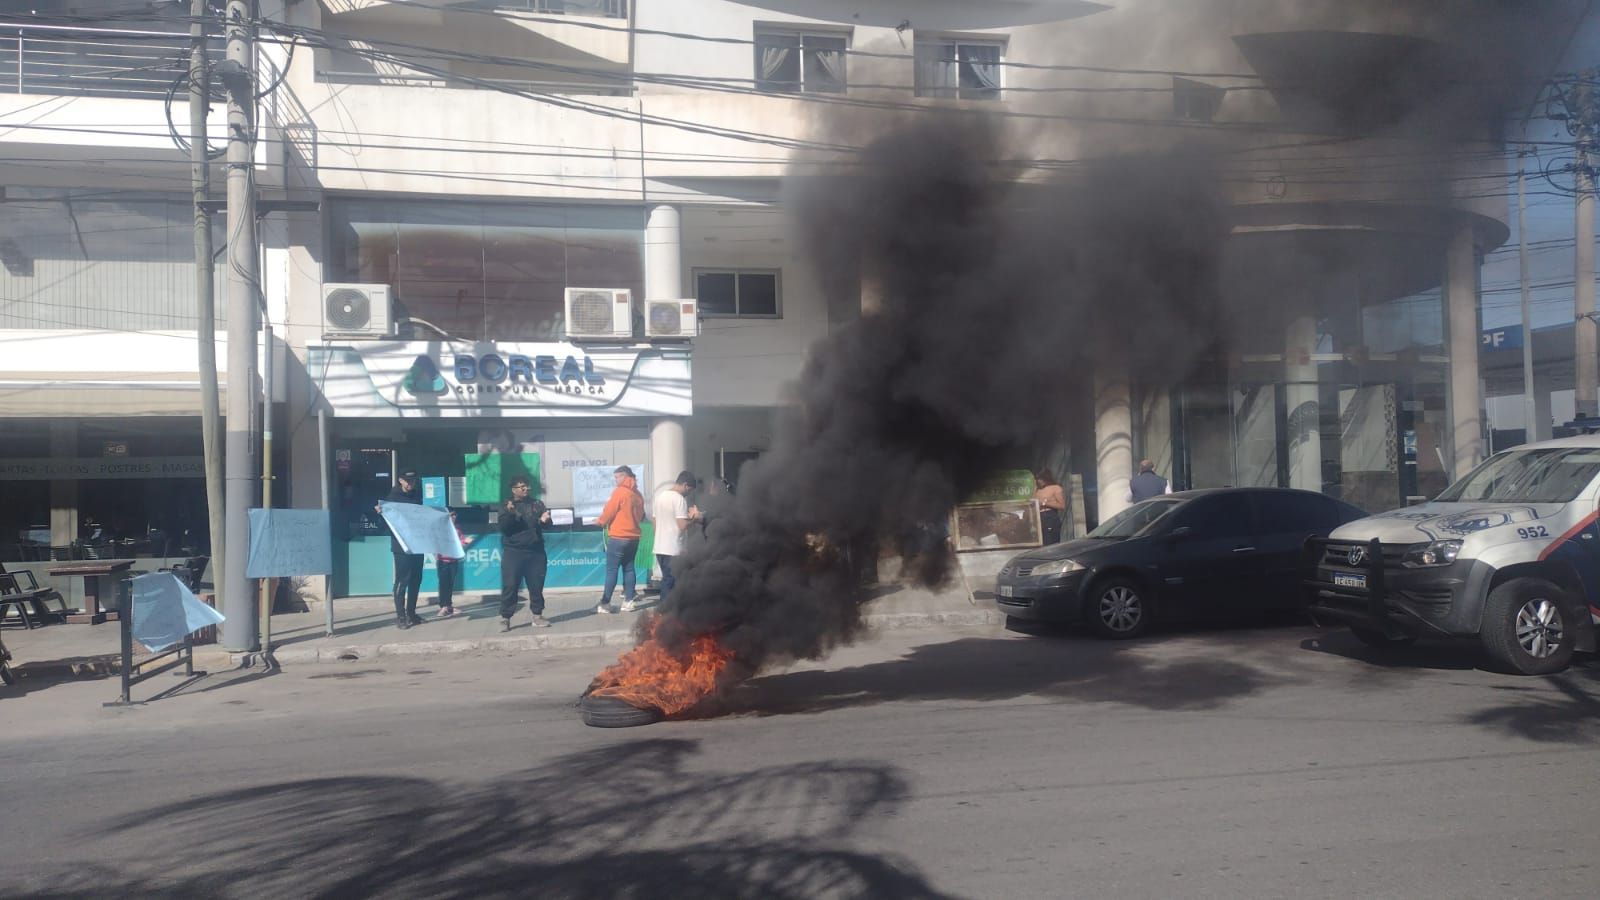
<point>1509,554</point>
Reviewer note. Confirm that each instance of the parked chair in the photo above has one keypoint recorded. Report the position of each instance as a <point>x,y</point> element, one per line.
<point>190,571</point>
<point>21,591</point>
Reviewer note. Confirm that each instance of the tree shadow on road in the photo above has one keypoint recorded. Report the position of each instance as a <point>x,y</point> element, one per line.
<point>631,820</point>
<point>1570,713</point>
<point>1077,668</point>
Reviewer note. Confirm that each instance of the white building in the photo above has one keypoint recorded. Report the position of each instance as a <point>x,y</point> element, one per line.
<point>478,158</point>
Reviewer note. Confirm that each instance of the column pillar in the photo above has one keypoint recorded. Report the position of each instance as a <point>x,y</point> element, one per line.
<point>1305,412</point>
<point>63,493</point>
<point>1466,388</point>
<point>1586,339</point>
<point>663,254</point>
<point>1539,428</point>
<point>1113,441</point>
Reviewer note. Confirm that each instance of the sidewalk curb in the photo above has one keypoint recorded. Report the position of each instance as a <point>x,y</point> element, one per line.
<point>216,659</point>
<point>584,640</point>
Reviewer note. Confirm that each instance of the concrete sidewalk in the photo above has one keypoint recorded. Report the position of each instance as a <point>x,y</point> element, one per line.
<point>364,628</point>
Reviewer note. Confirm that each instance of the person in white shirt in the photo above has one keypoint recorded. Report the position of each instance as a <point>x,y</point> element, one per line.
<point>672,514</point>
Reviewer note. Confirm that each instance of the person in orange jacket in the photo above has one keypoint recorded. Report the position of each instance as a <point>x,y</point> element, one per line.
<point>622,516</point>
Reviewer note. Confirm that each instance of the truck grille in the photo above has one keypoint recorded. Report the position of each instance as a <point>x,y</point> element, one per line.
<point>1338,554</point>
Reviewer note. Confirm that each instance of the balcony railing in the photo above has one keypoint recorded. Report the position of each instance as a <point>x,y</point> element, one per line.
<point>605,9</point>
<point>94,62</point>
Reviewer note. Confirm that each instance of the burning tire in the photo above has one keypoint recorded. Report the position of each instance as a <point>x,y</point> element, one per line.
<point>609,712</point>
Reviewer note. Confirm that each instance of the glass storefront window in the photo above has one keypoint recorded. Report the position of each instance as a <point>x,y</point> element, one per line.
<point>485,271</point>
<point>1350,401</point>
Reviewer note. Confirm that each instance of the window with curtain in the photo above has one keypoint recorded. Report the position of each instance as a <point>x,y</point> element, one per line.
<point>790,62</point>
<point>964,70</point>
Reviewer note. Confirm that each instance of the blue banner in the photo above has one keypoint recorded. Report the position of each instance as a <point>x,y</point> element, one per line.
<point>423,529</point>
<point>285,542</point>
<point>165,610</point>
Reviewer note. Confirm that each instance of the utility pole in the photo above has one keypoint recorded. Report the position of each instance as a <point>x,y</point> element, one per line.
<point>238,600</point>
<point>1530,407</point>
<point>1585,381</point>
<point>205,281</point>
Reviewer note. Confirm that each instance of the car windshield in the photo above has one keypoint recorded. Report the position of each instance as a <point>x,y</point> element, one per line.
<point>1550,475</point>
<point>1136,518</point>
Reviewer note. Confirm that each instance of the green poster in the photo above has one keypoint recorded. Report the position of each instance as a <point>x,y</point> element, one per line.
<point>489,475</point>
<point>1010,484</point>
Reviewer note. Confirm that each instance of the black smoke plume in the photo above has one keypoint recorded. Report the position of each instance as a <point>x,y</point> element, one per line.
<point>998,299</point>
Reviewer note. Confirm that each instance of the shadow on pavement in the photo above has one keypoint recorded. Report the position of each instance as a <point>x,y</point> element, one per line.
<point>1569,715</point>
<point>1447,655</point>
<point>1085,669</point>
<point>630,820</point>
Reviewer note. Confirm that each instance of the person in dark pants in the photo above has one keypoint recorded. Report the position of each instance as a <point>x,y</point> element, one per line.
<point>449,569</point>
<point>522,553</point>
<point>672,515</point>
<point>407,566</point>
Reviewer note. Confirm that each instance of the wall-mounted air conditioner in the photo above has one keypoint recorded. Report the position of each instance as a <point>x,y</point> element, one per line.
<point>599,314</point>
<point>670,319</point>
<point>356,311</point>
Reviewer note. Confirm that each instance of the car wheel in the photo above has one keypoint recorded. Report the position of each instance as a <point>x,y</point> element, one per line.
<point>610,712</point>
<point>1118,608</point>
<point>1528,628</point>
<point>1372,637</point>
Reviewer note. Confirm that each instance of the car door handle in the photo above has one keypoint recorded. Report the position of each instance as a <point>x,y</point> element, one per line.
<point>1243,549</point>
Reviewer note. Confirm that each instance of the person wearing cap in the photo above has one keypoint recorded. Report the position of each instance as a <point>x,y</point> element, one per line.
<point>407,566</point>
<point>672,514</point>
<point>622,516</point>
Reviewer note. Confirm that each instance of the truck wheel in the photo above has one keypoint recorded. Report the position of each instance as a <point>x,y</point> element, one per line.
<point>1118,608</point>
<point>1527,627</point>
<point>1377,639</point>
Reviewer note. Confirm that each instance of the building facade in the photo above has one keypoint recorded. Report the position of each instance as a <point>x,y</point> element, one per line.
<point>471,161</point>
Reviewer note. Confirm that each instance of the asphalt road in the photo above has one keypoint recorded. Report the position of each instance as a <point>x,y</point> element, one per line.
<point>1281,762</point>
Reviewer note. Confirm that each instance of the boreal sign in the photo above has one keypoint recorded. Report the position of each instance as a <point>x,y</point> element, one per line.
<point>492,372</point>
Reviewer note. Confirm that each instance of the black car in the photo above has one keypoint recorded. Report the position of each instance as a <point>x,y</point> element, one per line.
<point>1206,553</point>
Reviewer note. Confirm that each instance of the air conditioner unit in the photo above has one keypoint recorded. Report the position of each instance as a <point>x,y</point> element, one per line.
<point>670,319</point>
<point>356,311</point>
<point>599,314</point>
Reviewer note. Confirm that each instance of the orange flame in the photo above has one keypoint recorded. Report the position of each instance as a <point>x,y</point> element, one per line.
<point>650,675</point>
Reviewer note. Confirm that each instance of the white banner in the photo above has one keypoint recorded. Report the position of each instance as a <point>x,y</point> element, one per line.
<point>459,379</point>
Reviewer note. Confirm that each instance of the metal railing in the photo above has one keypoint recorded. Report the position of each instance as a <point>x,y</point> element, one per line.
<point>94,62</point>
<point>605,9</point>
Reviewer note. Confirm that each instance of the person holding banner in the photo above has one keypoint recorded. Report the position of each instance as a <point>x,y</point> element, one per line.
<point>407,566</point>
<point>522,555</point>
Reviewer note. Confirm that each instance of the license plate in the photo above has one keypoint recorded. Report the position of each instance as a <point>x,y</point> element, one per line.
<point>1341,579</point>
<point>1007,590</point>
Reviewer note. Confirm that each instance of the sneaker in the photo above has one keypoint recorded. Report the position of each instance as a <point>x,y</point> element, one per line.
<point>505,624</point>
<point>415,619</point>
<point>446,612</point>
<point>402,623</point>
<point>605,609</point>
<point>540,621</point>
<point>629,606</point>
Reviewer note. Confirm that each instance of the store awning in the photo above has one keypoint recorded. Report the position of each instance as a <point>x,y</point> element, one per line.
<point>55,374</point>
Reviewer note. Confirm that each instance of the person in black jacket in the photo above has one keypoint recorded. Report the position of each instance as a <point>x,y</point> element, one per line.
<point>407,566</point>
<point>522,554</point>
